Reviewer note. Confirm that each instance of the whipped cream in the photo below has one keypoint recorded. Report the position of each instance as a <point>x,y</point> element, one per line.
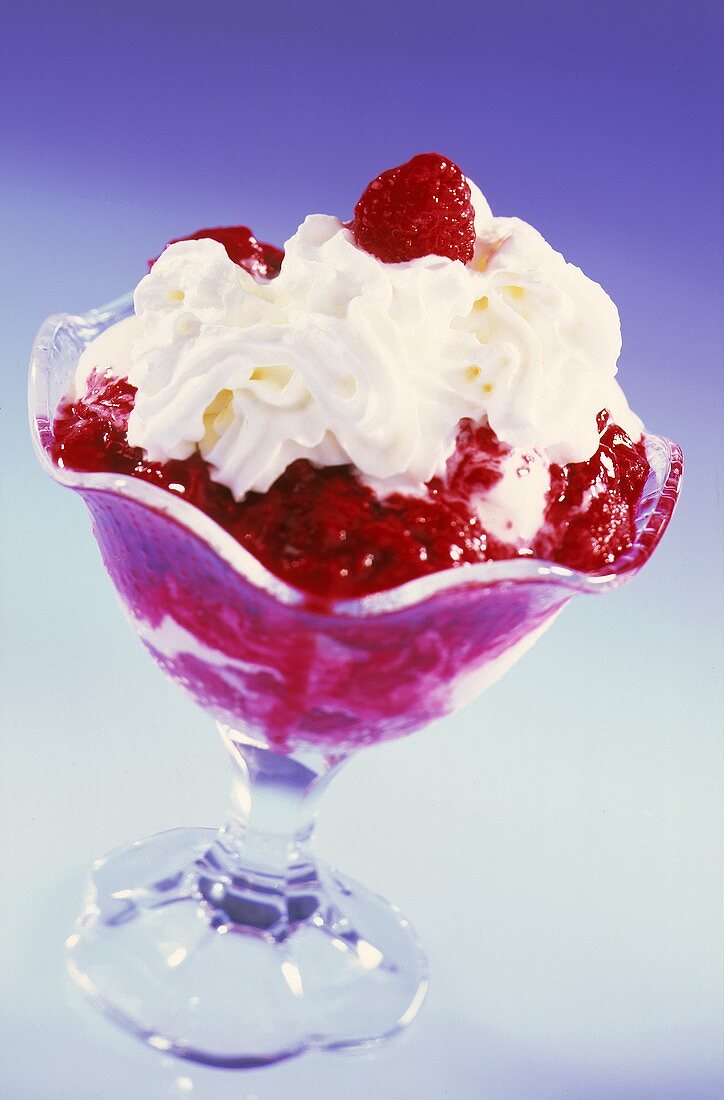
<point>344,358</point>
<point>111,351</point>
<point>513,509</point>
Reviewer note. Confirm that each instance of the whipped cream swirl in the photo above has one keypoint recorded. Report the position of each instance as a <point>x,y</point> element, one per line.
<point>344,358</point>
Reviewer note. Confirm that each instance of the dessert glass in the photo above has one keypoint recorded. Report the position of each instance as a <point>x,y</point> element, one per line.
<point>237,947</point>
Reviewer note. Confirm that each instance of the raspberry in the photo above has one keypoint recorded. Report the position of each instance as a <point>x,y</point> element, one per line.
<point>599,534</point>
<point>421,208</point>
<point>592,505</point>
<point>90,433</point>
<point>261,260</point>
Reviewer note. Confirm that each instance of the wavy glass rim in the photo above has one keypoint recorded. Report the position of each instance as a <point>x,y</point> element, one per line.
<point>656,506</point>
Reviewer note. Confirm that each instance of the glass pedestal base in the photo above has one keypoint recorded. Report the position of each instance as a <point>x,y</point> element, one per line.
<point>234,967</point>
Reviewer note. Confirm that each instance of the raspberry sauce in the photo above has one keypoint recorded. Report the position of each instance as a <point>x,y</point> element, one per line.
<point>325,532</point>
<point>260,259</point>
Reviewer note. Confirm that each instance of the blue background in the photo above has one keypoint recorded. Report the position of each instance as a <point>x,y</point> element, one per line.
<point>557,843</point>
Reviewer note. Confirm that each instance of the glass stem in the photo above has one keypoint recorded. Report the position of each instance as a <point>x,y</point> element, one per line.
<point>260,874</point>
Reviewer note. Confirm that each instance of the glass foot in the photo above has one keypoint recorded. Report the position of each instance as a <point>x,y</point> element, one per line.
<point>238,968</point>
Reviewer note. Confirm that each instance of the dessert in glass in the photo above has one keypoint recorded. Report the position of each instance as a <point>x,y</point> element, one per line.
<point>340,489</point>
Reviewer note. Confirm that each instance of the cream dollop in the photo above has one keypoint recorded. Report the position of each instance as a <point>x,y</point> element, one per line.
<point>513,509</point>
<point>344,358</point>
<point>111,351</point>
<point>552,338</point>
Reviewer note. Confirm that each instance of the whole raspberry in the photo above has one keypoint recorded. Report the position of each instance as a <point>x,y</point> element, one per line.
<point>421,208</point>
<point>261,260</point>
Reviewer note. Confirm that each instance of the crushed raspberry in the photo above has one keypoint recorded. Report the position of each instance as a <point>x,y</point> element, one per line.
<point>591,505</point>
<point>90,434</point>
<point>323,531</point>
<point>601,533</point>
<point>326,533</point>
<point>261,260</point>
<point>421,208</point>
<point>476,463</point>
